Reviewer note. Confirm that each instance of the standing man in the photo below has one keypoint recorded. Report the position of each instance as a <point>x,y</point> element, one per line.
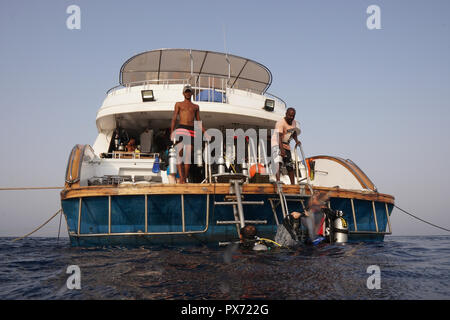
<point>188,113</point>
<point>285,130</point>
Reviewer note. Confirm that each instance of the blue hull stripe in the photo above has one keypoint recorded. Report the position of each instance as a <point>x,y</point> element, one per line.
<point>164,216</point>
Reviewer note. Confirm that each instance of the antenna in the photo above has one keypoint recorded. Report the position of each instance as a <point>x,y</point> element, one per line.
<point>192,62</point>
<point>224,38</point>
<point>226,51</point>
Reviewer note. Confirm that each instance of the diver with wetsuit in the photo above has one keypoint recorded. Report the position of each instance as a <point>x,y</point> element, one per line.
<point>291,232</point>
<point>302,228</point>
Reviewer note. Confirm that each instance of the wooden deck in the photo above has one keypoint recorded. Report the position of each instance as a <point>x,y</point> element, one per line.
<point>214,188</point>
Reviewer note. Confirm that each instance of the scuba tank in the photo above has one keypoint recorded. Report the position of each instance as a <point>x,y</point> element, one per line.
<point>244,169</point>
<point>340,228</point>
<point>336,228</point>
<point>172,161</point>
<point>199,157</point>
<point>221,165</point>
<point>116,141</point>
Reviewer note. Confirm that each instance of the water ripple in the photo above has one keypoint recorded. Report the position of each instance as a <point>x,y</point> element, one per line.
<point>411,268</point>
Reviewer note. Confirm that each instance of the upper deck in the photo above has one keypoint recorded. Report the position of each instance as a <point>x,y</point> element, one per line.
<point>196,65</point>
<point>232,87</point>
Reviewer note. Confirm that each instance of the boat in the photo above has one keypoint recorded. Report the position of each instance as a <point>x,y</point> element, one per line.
<point>115,197</point>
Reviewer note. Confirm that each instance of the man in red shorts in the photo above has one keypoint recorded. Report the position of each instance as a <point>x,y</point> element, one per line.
<point>188,112</point>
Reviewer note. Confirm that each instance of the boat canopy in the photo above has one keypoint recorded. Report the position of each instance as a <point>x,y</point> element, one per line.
<point>165,65</point>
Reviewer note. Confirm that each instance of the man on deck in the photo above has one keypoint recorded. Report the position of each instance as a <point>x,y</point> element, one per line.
<point>285,130</point>
<point>188,112</point>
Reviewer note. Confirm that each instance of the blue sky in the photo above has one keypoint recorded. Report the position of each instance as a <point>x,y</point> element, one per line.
<point>378,97</point>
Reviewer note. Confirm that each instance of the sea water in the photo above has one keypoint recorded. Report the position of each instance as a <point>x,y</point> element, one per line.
<point>398,268</point>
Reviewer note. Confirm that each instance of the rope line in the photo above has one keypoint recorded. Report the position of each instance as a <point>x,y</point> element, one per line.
<point>431,224</point>
<point>30,188</point>
<point>59,228</point>
<point>20,238</point>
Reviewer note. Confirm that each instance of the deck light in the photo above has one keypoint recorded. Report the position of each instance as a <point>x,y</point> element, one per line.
<point>147,95</point>
<point>269,105</point>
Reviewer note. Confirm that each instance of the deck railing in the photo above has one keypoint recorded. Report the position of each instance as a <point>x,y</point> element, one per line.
<point>184,230</point>
<point>206,88</point>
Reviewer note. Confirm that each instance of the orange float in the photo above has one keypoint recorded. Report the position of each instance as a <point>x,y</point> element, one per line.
<point>261,170</point>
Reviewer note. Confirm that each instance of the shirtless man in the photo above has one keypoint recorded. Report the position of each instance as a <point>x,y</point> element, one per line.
<point>188,113</point>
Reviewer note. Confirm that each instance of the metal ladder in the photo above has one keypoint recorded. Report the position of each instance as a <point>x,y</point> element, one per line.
<point>285,198</point>
<point>297,171</point>
<point>238,207</point>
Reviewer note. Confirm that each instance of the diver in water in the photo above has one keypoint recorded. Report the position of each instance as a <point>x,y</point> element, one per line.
<point>291,233</point>
<point>300,228</point>
<point>250,241</point>
<point>247,237</point>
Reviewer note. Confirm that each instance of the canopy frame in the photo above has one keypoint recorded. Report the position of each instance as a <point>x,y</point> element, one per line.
<point>242,73</point>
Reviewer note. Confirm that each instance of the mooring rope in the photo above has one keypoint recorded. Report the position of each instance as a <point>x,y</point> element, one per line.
<point>431,224</point>
<point>59,228</point>
<point>30,188</point>
<point>57,212</point>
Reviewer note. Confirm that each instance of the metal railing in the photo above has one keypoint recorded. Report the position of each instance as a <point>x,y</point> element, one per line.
<point>129,155</point>
<point>216,87</point>
<point>165,82</point>
<point>110,233</point>
<point>374,214</point>
<point>270,95</point>
<point>80,153</point>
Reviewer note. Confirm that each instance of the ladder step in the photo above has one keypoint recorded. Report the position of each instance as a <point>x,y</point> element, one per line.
<point>232,197</point>
<point>246,221</point>
<point>260,203</point>
<point>223,244</point>
<point>289,199</point>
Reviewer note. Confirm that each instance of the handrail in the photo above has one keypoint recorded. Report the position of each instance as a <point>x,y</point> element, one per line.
<point>69,163</point>
<point>147,82</point>
<point>167,82</point>
<point>270,95</point>
<point>195,82</point>
<point>362,178</point>
<point>361,173</point>
<point>262,146</point>
<point>131,155</point>
<point>308,181</point>
<point>110,233</point>
<point>76,159</point>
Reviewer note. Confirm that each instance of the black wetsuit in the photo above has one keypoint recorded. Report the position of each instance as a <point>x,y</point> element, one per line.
<point>291,232</point>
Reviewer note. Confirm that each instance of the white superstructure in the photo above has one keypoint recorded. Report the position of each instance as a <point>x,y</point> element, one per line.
<point>231,92</point>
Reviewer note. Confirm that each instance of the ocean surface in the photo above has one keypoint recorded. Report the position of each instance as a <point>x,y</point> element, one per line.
<point>409,268</point>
